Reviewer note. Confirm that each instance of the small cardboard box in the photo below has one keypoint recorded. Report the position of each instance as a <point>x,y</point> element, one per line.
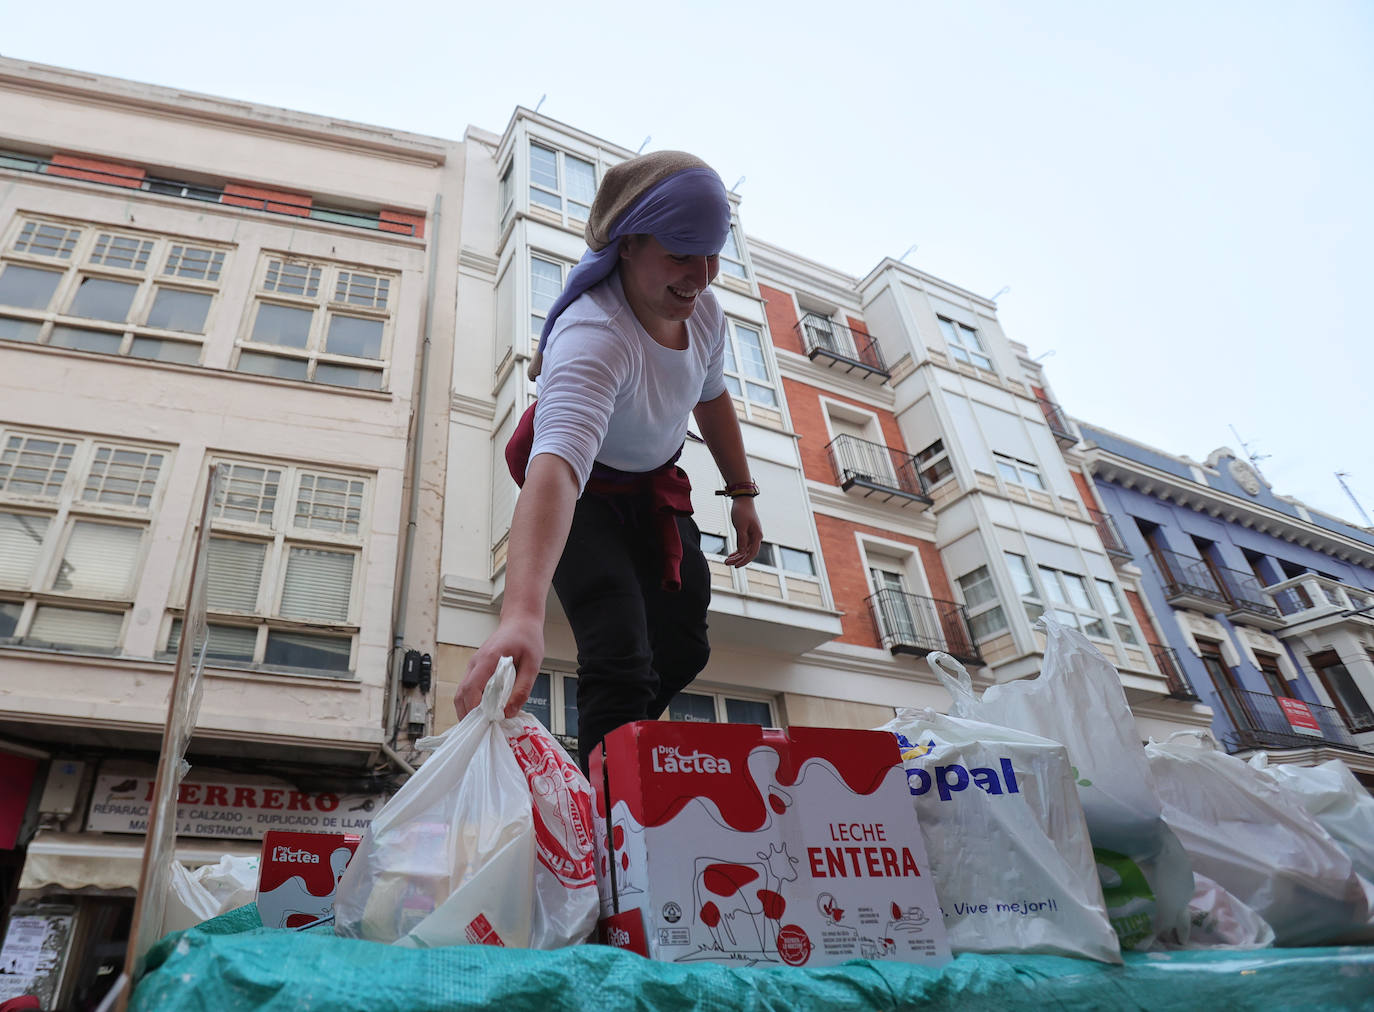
<point>746,846</point>
<point>298,875</point>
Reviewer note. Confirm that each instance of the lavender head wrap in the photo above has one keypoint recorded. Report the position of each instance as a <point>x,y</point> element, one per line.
<point>673,196</point>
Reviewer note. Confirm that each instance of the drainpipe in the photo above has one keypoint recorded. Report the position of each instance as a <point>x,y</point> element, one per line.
<point>391,726</point>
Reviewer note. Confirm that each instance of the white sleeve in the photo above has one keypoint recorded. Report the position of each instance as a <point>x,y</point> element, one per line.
<point>584,372</point>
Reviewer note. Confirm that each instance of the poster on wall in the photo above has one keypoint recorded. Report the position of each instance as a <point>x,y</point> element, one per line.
<point>1300,717</point>
<point>35,948</point>
<point>228,809</point>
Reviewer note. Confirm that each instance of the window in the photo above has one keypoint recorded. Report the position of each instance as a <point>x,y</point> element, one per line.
<point>553,699</point>
<point>1018,472</point>
<point>560,182</point>
<point>714,544</point>
<point>1273,676</point>
<point>964,344</point>
<point>74,514</point>
<point>318,322</point>
<point>111,291</point>
<point>507,194</point>
<point>1224,682</point>
<point>731,259</point>
<point>1025,586</point>
<point>546,284</point>
<point>934,463</point>
<point>1068,593</point>
<point>1110,594</point>
<point>719,708</point>
<point>746,367</point>
<point>1340,686</point>
<point>774,556</point>
<point>985,615</point>
<point>285,567</point>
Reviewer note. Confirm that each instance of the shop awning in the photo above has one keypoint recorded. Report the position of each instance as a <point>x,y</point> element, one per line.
<point>79,860</point>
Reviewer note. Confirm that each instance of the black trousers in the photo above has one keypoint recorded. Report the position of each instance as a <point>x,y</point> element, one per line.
<point>637,644</point>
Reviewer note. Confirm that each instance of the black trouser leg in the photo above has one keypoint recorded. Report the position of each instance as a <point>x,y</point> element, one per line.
<point>637,645</point>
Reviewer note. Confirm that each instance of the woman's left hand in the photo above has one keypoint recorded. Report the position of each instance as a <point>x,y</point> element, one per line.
<point>748,531</point>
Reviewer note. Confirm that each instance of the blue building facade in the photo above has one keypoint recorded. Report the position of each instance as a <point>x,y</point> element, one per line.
<point>1266,605</point>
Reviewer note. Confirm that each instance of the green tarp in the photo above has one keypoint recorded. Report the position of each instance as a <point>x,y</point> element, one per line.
<point>232,963</point>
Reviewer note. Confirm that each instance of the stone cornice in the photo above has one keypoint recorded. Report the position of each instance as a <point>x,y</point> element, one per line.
<point>1131,474</point>
<point>477,407</point>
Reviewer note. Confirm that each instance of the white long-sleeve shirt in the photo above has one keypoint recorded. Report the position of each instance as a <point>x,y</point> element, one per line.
<point>610,392</point>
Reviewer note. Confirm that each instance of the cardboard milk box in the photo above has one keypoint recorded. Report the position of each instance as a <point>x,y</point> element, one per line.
<point>746,846</point>
<point>298,875</point>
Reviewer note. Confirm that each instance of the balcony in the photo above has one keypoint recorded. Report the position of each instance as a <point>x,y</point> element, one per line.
<point>911,624</point>
<point>1058,422</point>
<point>1111,537</point>
<point>839,347</point>
<point>1188,582</point>
<point>1270,727</point>
<point>1310,602</point>
<point>876,470</point>
<point>1250,603</point>
<point>1166,658</point>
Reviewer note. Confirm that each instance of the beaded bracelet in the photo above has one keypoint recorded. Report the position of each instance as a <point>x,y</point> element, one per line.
<point>739,488</point>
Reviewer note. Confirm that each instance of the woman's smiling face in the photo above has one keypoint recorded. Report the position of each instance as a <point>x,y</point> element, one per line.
<point>662,287</point>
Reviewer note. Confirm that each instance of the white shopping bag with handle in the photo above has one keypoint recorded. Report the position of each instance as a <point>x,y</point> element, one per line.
<point>1077,700</point>
<point>489,843</point>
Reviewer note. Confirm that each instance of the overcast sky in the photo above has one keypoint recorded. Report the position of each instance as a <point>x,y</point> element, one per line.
<point>1176,193</point>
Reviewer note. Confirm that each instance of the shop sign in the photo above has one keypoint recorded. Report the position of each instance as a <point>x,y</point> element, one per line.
<point>225,809</point>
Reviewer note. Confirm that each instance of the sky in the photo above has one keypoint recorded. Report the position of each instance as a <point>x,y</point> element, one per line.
<point>1175,196</point>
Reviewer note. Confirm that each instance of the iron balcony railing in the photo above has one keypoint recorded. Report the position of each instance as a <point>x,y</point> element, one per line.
<point>1249,599</point>
<point>1111,537</point>
<point>840,346</point>
<point>912,624</point>
<point>211,194</point>
<point>1057,421</point>
<point>1269,726</point>
<point>1166,658</point>
<point>1187,581</point>
<point>876,469</point>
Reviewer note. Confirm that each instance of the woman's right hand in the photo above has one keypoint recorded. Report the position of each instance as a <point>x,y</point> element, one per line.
<point>521,638</point>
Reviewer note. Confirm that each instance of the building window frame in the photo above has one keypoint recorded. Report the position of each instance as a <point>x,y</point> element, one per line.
<point>732,262</point>
<point>556,709</point>
<point>751,378</point>
<point>689,705</point>
<point>328,293</point>
<point>259,507</point>
<point>934,464</point>
<point>1015,471</point>
<point>541,300</point>
<point>964,344</point>
<point>116,291</point>
<point>564,190</point>
<point>982,603</point>
<point>90,484</point>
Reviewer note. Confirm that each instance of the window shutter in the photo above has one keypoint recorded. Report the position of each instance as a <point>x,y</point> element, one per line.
<point>233,574</point>
<point>71,628</point>
<point>21,539</point>
<point>318,585</point>
<point>100,559</point>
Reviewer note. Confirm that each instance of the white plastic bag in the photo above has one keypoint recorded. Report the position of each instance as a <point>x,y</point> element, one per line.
<point>490,842</point>
<point>1005,838</point>
<point>1077,700</point>
<point>1218,920</point>
<point>210,890</point>
<point>1330,794</point>
<point>1243,832</point>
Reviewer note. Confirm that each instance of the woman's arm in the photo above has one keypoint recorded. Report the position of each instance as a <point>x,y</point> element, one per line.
<point>538,532</point>
<point>720,428</point>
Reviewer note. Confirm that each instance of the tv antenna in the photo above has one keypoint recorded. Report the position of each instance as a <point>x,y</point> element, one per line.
<point>644,142</point>
<point>909,250</point>
<point>540,102</point>
<point>1254,458</point>
<point>1340,477</point>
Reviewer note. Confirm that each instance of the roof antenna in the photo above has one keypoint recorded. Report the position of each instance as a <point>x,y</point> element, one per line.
<point>1000,292</point>
<point>1254,458</point>
<point>738,182</point>
<point>646,141</point>
<point>909,250</point>
<point>540,102</point>
<point>1340,477</point>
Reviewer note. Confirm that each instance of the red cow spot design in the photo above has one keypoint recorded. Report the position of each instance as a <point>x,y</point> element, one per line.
<point>896,912</point>
<point>710,914</point>
<point>773,904</point>
<point>727,879</point>
<point>624,862</point>
<point>776,803</point>
<point>617,837</point>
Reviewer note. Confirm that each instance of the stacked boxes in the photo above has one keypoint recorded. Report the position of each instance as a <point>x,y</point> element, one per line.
<point>745,846</point>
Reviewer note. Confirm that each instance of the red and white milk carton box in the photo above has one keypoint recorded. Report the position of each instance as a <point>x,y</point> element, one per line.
<point>298,875</point>
<point>745,846</point>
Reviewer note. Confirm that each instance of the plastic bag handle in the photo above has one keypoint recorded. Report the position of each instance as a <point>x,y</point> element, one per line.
<point>954,677</point>
<point>495,696</point>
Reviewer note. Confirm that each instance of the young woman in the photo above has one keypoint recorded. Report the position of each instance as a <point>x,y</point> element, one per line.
<point>632,348</point>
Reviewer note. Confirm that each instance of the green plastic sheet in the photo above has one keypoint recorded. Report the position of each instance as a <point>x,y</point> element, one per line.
<point>232,963</point>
